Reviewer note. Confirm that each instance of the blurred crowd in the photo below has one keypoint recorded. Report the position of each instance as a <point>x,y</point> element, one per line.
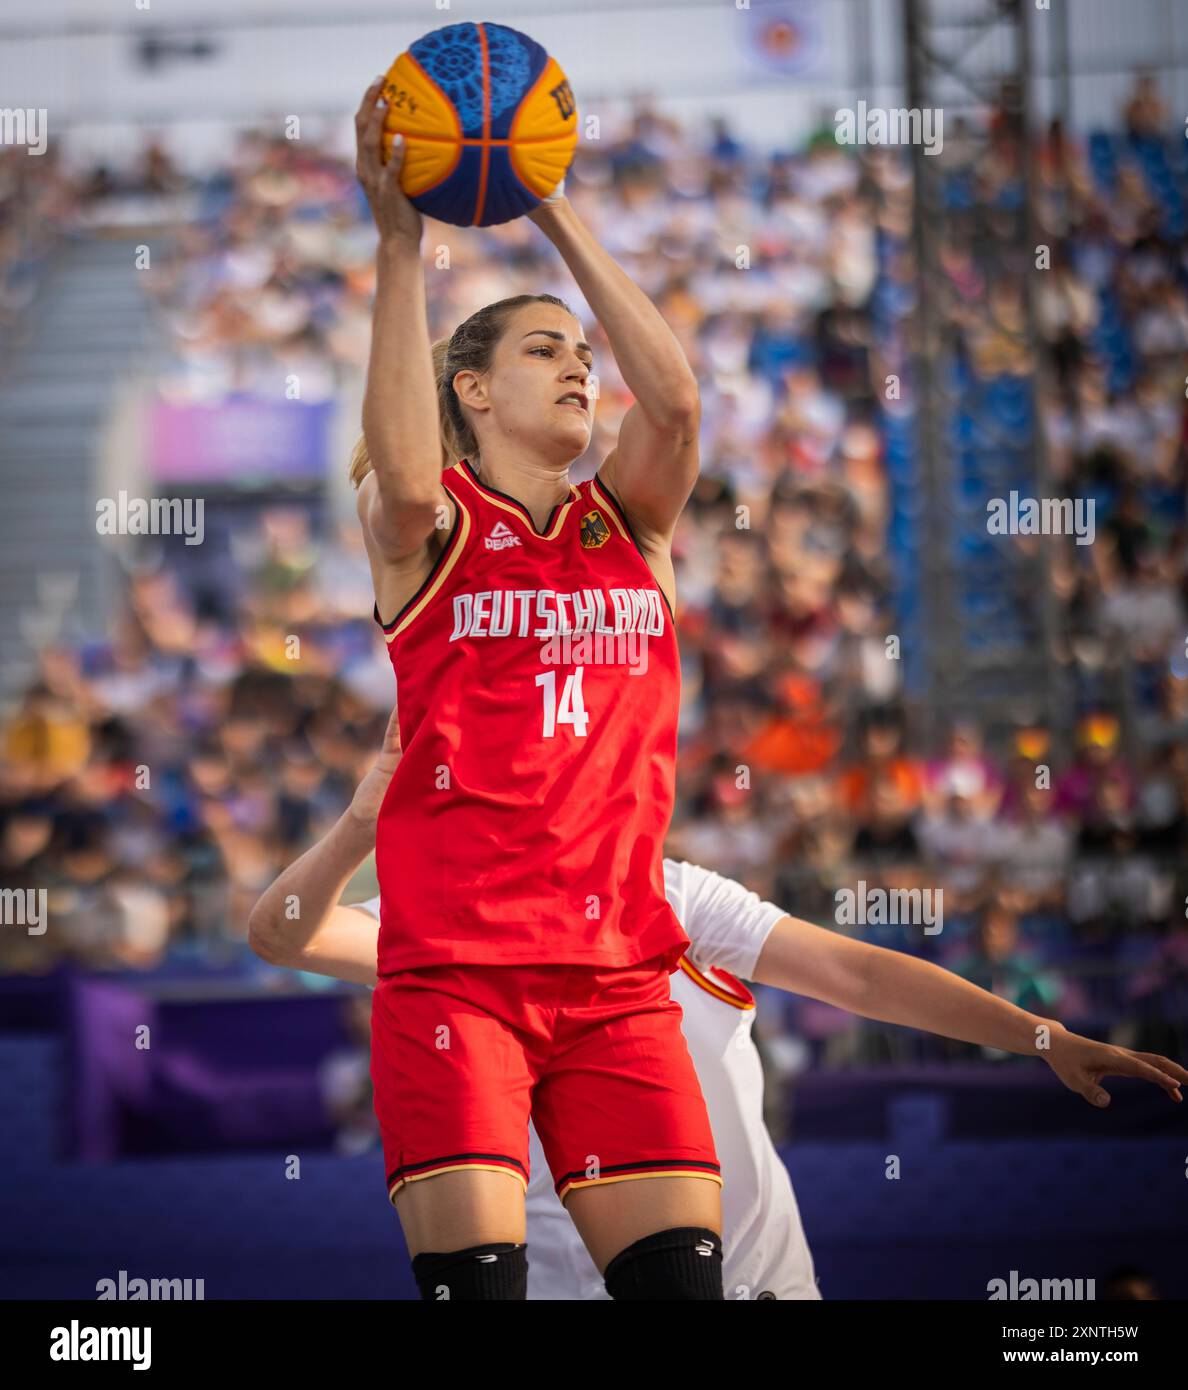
<point>157,777</point>
<point>38,201</point>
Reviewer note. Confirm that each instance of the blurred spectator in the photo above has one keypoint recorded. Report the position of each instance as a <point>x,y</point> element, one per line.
<point>1146,113</point>
<point>1098,759</point>
<point>1000,963</point>
<point>1036,852</point>
<point>961,839</point>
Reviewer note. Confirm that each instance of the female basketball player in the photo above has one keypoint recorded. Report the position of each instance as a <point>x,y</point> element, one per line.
<point>525,939</point>
<point>733,934</point>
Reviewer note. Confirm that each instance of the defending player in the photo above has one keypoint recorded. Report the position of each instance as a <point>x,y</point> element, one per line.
<point>525,940</point>
<point>733,934</point>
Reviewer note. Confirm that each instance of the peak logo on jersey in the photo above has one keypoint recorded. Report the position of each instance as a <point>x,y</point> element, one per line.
<point>595,532</point>
<point>501,537</point>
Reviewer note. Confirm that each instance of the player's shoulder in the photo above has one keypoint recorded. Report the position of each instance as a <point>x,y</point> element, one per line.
<point>703,899</point>
<point>685,883</point>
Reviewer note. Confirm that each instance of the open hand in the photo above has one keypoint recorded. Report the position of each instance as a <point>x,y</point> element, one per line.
<point>1081,1063</point>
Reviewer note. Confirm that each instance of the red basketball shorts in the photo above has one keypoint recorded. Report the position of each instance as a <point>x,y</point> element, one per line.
<point>461,1055</point>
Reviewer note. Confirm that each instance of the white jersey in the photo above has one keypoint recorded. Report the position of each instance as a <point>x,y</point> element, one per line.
<point>765,1253</point>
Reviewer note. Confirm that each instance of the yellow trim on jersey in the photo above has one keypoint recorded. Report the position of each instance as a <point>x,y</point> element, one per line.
<point>454,1168</point>
<point>630,1177</point>
<point>519,511</point>
<point>464,527</point>
<point>718,991</point>
<point>574,494</point>
<point>608,505</point>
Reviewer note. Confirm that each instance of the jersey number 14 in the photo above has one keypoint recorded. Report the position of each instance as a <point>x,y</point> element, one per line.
<point>571,710</point>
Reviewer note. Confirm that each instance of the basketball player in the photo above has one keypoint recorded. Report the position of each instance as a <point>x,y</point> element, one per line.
<point>525,940</point>
<point>732,934</point>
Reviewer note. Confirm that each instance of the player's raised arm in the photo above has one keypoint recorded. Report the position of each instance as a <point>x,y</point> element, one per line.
<point>323,937</point>
<point>400,416</point>
<point>653,467</point>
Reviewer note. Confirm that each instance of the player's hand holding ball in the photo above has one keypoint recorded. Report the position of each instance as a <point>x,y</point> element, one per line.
<point>395,217</point>
<point>549,204</point>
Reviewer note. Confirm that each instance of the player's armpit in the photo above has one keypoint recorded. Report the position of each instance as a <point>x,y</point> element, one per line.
<point>653,467</point>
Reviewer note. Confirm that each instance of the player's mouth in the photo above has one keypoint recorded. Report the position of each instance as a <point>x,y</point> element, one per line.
<point>574,398</point>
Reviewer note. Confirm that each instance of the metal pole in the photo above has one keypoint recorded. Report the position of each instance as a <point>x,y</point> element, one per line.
<point>1062,66</point>
<point>936,542</point>
<point>1055,711</point>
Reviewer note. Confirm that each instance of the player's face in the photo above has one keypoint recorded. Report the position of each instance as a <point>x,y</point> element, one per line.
<point>541,359</point>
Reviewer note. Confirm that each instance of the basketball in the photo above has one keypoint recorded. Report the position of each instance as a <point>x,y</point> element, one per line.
<point>489,121</point>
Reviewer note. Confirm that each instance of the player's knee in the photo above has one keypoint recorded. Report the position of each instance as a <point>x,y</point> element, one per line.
<point>683,1263</point>
<point>480,1272</point>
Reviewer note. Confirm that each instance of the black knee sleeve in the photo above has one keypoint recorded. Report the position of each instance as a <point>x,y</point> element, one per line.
<point>684,1263</point>
<point>479,1272</point>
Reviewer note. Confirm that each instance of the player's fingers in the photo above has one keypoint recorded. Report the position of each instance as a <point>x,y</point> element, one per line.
<point>1131,1064</point>
<point>392,734</point>
<point>390,173</point>
<point>369,165</point>
<point>1095,1094</point>
<point>1165,1064</point>
<point>367,105</point>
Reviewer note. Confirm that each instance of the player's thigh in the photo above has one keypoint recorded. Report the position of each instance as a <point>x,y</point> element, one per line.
<point>621,1117</point>
<point>614,1216</point>
<point>452,1075</point>
<point>453,1211</point>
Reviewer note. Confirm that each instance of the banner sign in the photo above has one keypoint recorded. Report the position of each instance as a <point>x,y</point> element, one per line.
<point>785,38</point>
<point>241,441</point>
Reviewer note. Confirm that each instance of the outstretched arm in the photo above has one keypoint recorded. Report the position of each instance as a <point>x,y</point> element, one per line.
<point>652,469</point>
<point>896,988</point>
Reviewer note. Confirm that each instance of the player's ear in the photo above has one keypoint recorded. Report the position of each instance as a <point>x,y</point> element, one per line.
<point>471,388</point>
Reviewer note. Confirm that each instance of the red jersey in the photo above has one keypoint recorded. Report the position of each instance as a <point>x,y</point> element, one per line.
<point>538,685</point>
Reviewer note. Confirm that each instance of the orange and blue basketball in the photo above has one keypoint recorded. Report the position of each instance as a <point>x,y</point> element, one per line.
<point>489,122</point>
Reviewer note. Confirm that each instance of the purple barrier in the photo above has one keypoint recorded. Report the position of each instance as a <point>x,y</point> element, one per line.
<point>32,1003</point>
<point>109,1075</point>
<point>955,1102</point>
<point>217,1074</point>
<point>244,1073</point>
